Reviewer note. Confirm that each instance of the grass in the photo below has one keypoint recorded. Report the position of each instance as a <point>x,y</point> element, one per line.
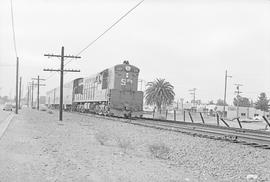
<point>159,150</point>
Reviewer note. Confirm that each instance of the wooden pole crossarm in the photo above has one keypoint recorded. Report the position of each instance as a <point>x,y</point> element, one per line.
<point>61,70</point>
<point>39,84</point>
<point>67,56</point>
<point>51,70</point>
<point>71,70</point>
<point>38,79</point>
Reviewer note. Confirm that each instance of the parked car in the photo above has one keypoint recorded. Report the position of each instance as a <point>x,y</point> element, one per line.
<point>258,118</point>
<point>43,108</point>
<point>7,107</point>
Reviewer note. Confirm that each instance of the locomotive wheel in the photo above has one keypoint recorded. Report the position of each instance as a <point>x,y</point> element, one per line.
<point>97,109</point>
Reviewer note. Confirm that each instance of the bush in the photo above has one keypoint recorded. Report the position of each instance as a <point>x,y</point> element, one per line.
<point>159,150</point>
<point>101,137</point>
<point>161,117</point>
<point>50,111</point>
<point>124,144</point>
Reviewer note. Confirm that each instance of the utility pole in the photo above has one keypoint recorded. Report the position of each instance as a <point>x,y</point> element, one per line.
<point>20,92</point>
<point>27,95</point>
<point>17,79</point>
<point>32,92</point>
<point>61,70</point>
<point>182,103</point>
<point>142,85</point>
<point>38,85</point>
<point>193,92</point>
<point>238,97</point>
<point>225,92</point>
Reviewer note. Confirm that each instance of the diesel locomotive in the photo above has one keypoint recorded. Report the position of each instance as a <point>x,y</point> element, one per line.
<point>113,92</point>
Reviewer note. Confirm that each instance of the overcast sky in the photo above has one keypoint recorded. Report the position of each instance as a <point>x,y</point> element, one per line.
<point>189,43</point>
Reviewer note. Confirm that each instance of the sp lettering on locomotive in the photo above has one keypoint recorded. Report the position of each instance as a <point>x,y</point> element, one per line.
<point>125,81</point>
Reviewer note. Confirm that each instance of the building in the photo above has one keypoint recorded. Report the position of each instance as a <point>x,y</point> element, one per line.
<point>244,112</point>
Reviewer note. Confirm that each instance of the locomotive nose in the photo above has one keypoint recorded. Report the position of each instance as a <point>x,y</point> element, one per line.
<point>126,107</point>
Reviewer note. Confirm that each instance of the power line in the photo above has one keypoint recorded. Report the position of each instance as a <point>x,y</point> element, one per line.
<point>115,23</point>
<point>103,33</point>
<point>13,29</point>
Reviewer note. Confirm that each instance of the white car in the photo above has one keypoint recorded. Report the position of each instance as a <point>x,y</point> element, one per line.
<point>257,118</point>
<point>7,107</point>
<point>43,108</point>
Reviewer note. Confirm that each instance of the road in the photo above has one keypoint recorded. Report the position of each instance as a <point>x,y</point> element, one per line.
<point>3,114</point>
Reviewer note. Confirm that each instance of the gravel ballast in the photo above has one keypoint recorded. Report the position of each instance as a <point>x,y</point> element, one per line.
<point>38,147</point>
<point>206,158</point>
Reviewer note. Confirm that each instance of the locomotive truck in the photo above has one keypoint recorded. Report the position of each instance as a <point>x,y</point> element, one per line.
<point>113,92</point>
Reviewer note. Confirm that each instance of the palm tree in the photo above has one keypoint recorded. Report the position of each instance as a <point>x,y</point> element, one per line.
<point>159,93</point>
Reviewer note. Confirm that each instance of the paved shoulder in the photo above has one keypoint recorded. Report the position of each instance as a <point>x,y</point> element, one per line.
<point>4,114</point>
<point>5,123</point>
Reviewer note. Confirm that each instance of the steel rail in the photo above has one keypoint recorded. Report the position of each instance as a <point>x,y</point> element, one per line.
<point>255,138</point>
<point>223,128</point>
<point>258,140</point>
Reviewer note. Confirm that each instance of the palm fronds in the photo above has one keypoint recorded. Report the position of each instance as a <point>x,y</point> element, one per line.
<point>159,93</point>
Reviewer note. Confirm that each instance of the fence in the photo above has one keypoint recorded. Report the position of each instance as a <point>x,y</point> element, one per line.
<point>187,116</point>
<point>213,118</point>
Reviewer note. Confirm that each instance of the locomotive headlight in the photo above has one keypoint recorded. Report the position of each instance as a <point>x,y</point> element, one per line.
<point>128,68</point>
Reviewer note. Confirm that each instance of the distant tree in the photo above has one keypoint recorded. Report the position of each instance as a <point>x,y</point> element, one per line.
<point>243,101</point>
<point>262,102</point>
<point>5,98</point>
<point>220,102</point>
<point>252,103</point>
<point>159,93</point>
<point>211,102</point>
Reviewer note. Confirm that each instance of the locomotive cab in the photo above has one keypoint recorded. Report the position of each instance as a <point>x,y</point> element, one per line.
<point>125,99</point>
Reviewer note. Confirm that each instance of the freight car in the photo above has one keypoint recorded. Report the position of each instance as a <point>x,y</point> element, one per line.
<point>114,91</point>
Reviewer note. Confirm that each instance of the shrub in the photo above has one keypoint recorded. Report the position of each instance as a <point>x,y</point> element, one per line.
<point>159,150</point>
<point>50,111</point>
<point>123,143</point>
<point>101,137</point>
<point>161,117</point>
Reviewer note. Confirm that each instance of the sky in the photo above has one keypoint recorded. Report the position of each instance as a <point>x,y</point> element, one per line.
<point>190,43</point>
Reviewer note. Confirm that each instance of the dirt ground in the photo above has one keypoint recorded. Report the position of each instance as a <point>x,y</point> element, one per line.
<point>37,147</point>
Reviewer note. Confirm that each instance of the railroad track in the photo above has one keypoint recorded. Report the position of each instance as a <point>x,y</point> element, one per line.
<point>254,138</point>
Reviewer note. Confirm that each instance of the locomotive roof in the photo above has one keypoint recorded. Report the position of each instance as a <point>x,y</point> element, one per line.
<point>125,63</point>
